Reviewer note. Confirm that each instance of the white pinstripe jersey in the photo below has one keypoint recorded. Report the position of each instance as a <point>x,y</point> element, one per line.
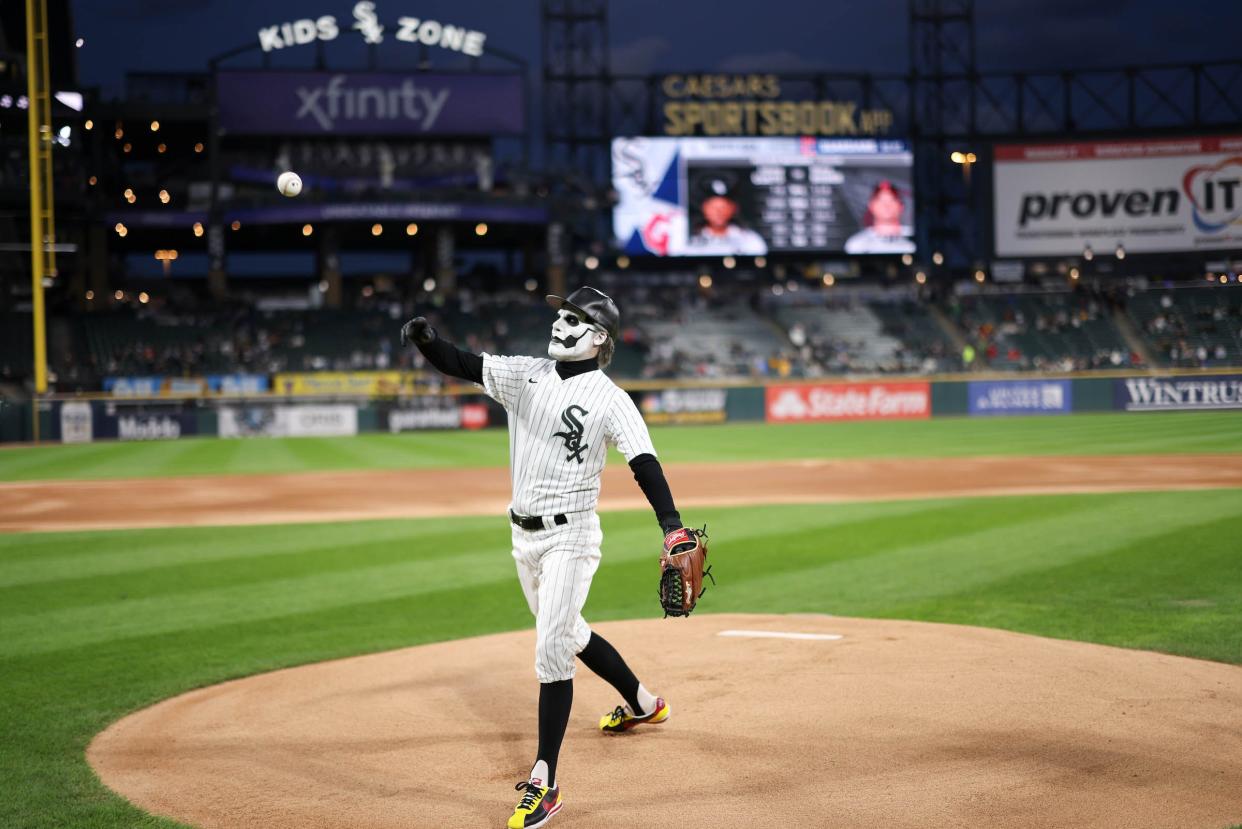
<point>559,431</point>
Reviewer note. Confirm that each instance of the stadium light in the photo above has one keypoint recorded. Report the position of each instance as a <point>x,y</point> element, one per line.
<point>591,262</point>
<point>90,125</point>
<point>155,126</point>
<point>920,277</point>
<point>307,229</point>
<point>377,229</point>
<point>164,197</point>
<point>957,157</point>
<point>119,134</point>
<point>705,280</point>
<point>1073,274</point>
<point>531,285</point>
<point>236,225</point>
<point>907,259</point>
<point>1088,253</point>
<point>162,148</point>
<point>1223,279</point>
<point>829,280</point>
<point>411,229</point>
<point>90,295</point>
<point>729,262</point>
<point>128,146</point>
<point>198,228</point>
<point>80,42</point>
<point>623,261</point>
<point>480,229</point>
<point>142,297</point>
<point>980,276</point>
<point>198,148</point>
<point>118,296</point>
<point>1121,251</point>
<point>761,261</point>
<point>92,181</point>
<point>938,258</point>
<point>429,284</point>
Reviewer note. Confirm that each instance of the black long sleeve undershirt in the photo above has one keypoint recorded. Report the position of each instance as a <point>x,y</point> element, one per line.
<point>650,476</point>
<point>451,360</point>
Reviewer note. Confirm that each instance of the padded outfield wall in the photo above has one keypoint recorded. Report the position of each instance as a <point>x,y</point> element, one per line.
<point>132,417</point>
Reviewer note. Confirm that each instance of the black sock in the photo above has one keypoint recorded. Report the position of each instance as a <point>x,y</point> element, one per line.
<point>603,659</point>
<point>555,700</point>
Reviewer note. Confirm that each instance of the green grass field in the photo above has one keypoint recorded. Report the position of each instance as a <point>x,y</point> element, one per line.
<point>99,624</point>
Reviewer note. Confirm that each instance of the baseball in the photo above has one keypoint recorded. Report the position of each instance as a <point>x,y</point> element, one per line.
<point>289,184</point>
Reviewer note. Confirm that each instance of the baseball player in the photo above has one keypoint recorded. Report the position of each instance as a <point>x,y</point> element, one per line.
<point>563,413</point>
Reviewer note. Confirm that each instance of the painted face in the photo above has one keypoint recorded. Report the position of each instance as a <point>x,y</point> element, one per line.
<point>573,338</point>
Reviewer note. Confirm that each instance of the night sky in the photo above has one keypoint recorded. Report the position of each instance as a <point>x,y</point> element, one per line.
<point>656,35</point>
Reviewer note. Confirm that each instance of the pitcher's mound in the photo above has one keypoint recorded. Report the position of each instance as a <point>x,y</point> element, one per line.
<point>895,724</point>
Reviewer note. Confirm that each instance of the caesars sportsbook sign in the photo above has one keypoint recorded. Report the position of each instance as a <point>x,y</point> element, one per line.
<point>1181,194</point>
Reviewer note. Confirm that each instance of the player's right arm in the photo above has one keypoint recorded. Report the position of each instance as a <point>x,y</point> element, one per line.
<point>446,357</point>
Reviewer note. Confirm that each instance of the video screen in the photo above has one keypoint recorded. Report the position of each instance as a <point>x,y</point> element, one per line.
<point>754,196</point>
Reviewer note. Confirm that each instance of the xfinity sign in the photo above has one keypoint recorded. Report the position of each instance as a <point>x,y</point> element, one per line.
<point>1182,194</point>
<point>369,103</point>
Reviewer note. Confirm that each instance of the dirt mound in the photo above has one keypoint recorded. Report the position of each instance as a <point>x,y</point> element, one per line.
<point>894,724</point>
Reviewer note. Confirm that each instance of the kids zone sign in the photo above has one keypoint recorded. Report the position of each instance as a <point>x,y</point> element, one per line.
<point>1182,194</point>
<point>367,25</point>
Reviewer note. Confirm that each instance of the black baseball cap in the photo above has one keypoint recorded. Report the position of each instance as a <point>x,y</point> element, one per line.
<point>592,305</point>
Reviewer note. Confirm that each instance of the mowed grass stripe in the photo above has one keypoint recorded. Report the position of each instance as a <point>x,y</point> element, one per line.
<point>950,437</point>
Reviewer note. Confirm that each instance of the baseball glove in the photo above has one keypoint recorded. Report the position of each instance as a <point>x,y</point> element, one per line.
<point>682,571</point>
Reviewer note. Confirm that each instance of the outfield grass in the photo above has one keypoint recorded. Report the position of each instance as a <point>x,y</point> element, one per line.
<point>1102,434</point>
<point>99,624</point>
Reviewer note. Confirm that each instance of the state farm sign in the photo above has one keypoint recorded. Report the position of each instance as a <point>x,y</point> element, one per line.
<point>849,401</point>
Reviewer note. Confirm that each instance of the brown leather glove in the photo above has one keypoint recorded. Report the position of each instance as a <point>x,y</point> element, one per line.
<point>682,570</point>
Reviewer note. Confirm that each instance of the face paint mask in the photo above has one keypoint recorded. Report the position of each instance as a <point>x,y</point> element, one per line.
<point>573,338</point>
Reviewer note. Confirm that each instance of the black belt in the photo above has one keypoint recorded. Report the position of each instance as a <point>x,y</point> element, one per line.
<point>535,522</point>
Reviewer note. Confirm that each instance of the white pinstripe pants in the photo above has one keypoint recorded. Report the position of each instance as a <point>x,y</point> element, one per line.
<point>555,567</point>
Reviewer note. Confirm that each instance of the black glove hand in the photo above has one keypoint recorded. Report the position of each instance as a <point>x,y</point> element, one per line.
<point>417,331</point>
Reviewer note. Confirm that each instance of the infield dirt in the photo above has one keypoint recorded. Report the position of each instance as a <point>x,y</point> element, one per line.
<point>46,506</point>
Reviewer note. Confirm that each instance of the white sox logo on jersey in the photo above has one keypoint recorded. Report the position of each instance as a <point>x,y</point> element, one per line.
<point>573,433</point>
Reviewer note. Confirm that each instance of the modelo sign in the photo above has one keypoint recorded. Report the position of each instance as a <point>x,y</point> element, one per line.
<point>852,401</point>
<point>1158,394</point>
<point>1181,194</point>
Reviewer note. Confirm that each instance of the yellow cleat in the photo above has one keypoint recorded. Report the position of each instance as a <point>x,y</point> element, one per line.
<point>621,719</point>
<point>537,806</point>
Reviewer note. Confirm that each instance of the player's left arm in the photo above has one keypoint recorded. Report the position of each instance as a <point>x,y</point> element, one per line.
<point>628,432</point>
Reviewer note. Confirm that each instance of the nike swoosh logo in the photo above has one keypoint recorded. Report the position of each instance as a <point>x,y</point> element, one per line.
<point>532,380</point>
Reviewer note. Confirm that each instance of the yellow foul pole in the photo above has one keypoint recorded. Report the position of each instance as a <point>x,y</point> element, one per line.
<point>42,227</point>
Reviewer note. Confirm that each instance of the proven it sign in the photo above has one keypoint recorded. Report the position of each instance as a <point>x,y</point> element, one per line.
<point>848,401</point>
<point>1182,194</point>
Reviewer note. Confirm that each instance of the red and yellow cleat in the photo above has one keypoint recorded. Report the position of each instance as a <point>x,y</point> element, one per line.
<point>622,719</point>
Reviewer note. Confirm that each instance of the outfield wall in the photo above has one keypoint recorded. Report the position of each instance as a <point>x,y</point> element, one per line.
<point>272,414</point>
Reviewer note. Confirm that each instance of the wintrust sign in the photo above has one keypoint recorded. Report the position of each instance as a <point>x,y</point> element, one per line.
<point>1147,196</point>
<point>849,401</point>
<point>1153,394</point>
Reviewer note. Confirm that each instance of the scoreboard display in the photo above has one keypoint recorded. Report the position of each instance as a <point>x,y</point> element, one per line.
<point>754,196</point>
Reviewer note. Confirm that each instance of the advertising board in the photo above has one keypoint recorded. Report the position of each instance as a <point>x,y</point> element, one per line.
<point>287,421</point>
<point>370,103</point>
<point>684,406</point>
<point>848,401</point>
<point>1157,394</point>
<point>1019,397</point>
<point>1179,194</point>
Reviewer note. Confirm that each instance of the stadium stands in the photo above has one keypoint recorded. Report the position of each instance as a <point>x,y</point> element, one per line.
<point>1197,327</point>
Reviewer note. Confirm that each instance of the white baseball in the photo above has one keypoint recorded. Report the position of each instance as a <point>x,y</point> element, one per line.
<point>289,183</point>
